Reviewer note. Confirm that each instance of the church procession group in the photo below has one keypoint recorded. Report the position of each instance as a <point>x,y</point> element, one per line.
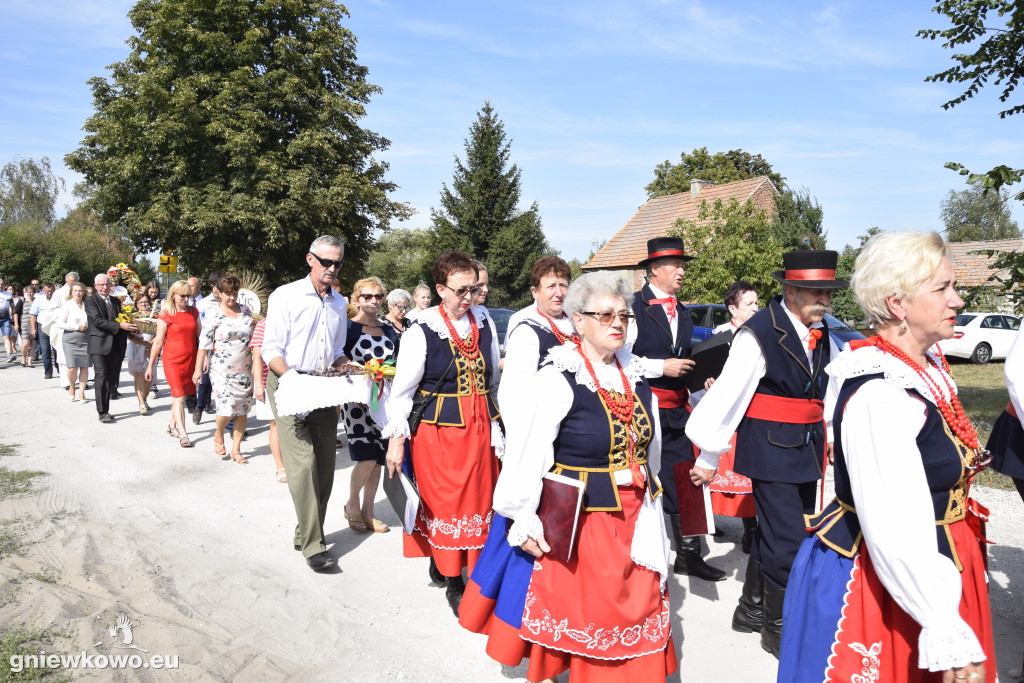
<point>886,582</point>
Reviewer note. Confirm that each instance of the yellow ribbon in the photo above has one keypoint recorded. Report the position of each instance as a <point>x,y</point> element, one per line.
<point>377,371</point>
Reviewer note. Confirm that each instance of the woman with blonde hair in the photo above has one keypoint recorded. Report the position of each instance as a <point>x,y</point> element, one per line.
<point>177,336</point>
<point>420,300</point>
<point>891,584</point>
<point>366,340</point>
<point>73,321</point>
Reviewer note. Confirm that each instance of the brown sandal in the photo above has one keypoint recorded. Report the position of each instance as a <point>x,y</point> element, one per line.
<point>379,527</point>
<point>185,442</point>
<point>356,523</point>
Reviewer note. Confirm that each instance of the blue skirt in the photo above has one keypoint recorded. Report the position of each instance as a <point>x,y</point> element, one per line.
<point>1007,446</point>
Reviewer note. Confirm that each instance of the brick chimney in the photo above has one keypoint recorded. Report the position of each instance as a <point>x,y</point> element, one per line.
<point>696,185</point>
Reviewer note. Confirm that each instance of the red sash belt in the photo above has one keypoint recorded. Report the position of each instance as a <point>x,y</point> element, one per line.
<point>788,410</point>
<point>1011,410</point>
<point>671,398</point>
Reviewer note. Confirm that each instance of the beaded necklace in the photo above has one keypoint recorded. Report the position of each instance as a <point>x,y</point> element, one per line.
<point>468,349</point>
<point>952,412</point>
<point>621,409</point>
<point>559,335</point>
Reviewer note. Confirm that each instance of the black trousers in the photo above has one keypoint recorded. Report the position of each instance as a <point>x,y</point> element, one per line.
<point>781,529</point>
<point>106,369</point>
<point>676,447</point>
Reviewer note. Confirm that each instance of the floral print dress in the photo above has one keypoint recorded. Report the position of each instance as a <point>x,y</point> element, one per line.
<point>226,340</point>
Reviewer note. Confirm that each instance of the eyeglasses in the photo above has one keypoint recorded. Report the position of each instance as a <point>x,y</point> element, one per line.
<point>370,297</point>
<point>326,262</point>
<point>401,307</point>
<point>461,292</point>
<point>605,318</point>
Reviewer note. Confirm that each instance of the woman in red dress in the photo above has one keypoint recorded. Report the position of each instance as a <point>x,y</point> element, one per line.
<point>177,335</point>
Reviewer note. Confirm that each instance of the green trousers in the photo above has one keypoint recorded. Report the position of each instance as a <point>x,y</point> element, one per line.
<point>308,450</point>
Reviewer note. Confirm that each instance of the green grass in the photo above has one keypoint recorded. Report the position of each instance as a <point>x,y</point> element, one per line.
<point>8,449</point>
<point>982,391</point>
<point>16,482</point>
<point>48,575</point>
<point>22,641</point>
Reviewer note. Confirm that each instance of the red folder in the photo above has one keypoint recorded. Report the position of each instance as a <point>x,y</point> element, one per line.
<point>559,510</point>
<point>695,516</point>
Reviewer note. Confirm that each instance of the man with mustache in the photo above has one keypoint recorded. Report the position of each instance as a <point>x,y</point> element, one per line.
<point>771,394</point>
<point>661,334</point>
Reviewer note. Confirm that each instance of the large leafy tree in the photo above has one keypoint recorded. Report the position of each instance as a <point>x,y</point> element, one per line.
<point>231,134</point>
<point>480,213</point>
<point>28,193</point>
<point>978,214</point>
<point>798,219</point>
<point>994,30</point>
<point>402,258</point>
<point>731,241</point>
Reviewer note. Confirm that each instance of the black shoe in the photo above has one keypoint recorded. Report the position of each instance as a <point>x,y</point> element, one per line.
<point>47,376</point>
<point>297,547</point>
<point>771,630</point>
<point>320,562</point>
<point>436,576</point>
<point>114,395</point>
<point>197,416</point>
<point>106,417</point>
<point>210,410</point>
<point>688,559</point>
<point>749,616</point>
<point>749,528</point>
<point>453,592</point>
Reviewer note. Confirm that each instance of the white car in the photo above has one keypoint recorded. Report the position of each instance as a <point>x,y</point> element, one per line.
<point>981,337</point>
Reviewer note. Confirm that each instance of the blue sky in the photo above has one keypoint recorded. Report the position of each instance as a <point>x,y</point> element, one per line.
<point>595,94</point>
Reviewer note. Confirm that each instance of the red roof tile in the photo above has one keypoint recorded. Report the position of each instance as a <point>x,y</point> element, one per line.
<point>973,270</point>
<point>658,216</point>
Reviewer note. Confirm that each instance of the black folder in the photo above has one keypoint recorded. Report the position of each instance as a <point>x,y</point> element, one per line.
<point>708,358</point>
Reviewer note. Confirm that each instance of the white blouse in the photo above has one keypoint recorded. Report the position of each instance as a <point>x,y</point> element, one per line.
<point>71,315</point>
<point>411,362</point>
<point>517,392</point>
<point>530,454</point>
<point>1013,371</point>
<point>881,423</point>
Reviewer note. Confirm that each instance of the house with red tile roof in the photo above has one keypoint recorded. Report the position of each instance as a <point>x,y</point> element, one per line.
<point>973,270</point>
<point>658,216</point>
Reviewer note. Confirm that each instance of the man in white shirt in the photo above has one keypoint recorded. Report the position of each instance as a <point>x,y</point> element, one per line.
<point>40,305</point>
<point>771,392</point>
<point>305,332</point>
<point>662,331</point>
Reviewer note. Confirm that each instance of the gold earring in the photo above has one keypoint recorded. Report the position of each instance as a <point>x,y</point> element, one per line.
<point>903,327</point>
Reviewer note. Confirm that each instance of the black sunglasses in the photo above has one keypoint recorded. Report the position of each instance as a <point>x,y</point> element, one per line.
<point>463,291</point>
<point>326,262</point>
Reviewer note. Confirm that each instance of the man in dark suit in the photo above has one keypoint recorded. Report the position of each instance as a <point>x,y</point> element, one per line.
<point>108,342</point>
<point>662,333</point>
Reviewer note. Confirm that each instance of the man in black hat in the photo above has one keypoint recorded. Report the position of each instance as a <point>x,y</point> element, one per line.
<point>771,393</point>
<point>662,332</point>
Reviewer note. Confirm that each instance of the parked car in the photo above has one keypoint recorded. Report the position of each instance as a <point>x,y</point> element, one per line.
<point>500,317</point>
<point>981,337</point>
<point>706,317</point>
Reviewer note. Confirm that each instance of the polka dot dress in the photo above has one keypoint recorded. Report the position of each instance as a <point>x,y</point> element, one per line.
<point>364,442</point>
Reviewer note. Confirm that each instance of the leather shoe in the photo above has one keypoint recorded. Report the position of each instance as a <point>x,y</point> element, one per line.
<point>453,592</point>
<point>297,547</point>
<point>47,376</point>
<point>320,562</point>
<point>435,575</point>
<point>106,417</point>
<point>197,416</point>
<point>114,395</point>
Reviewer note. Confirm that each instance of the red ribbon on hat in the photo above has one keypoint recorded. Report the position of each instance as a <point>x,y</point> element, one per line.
<point>810,274</point>
<point>670,305</point>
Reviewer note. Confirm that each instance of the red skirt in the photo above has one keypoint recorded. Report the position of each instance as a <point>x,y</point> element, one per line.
<point>731,493</point>
<point>456,471</point>
<point>601,616</point>
<point>875,633</point>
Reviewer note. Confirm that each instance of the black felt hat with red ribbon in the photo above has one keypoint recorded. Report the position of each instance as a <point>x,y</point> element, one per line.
<point>665,247</point>
<point>810,268</point>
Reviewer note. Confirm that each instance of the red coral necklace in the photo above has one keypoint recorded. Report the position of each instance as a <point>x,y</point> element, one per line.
<point>469,349</point>
<point>621,409</point>
<point>559,335</point>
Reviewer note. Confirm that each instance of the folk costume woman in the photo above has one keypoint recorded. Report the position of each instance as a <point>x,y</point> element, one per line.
<point>604,615</point>
<point>890,586</point>
<point>449,359</point>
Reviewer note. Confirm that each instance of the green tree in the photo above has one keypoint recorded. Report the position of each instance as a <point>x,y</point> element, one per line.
<point>723,167</point>
<point>844,304</point>
<point>799,220</point>
<point>479,214</point>
<point>402,258</point>
<point>231,135</point>
<point>997,57</point>
<point>731,241</point>
<point>978,214</point>
<point>28,193</point>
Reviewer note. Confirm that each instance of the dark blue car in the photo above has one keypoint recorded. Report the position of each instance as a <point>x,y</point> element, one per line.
<point>706,317</point>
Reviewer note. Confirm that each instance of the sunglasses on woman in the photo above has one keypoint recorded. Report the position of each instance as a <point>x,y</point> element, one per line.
<point>605,318</point>
<point>371,297</point>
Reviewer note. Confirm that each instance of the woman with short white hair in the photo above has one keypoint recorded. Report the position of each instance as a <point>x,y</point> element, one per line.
<point>603,614</point>
<point>891,584</point>
<point>399,301</point>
